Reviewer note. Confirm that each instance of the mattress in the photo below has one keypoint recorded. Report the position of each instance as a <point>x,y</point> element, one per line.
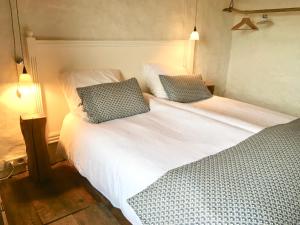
<point>122,157</point>
<point>236,113</point>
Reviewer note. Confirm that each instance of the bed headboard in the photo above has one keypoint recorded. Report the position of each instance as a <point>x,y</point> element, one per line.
<point>48,58</point>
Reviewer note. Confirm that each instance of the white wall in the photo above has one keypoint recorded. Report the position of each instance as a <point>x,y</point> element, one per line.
<point>213,50</point>
<point>109,20</point>
<point>264,67</point>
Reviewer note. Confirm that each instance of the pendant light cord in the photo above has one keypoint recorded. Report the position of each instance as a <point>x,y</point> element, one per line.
<point>13,29</point>
<point>19,27</point>
<point>196,12</point>
<point>14,36</point>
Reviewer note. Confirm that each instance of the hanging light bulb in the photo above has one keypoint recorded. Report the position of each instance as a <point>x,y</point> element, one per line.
<point>25,79</point>
<point>26,89</point>
<point>195,35</point>
<point>25,83</point>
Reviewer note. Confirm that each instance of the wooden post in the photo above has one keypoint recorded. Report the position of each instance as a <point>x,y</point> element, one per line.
<point>33,129</point>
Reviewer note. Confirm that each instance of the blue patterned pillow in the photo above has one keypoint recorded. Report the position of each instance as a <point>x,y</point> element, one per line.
<point>185,89</point>
<point>109,101</point>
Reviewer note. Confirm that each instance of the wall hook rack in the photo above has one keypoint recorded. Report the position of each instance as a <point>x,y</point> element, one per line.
<point>231,9</point>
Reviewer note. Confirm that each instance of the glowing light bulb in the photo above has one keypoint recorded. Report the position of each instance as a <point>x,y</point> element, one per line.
<point>25,83</point>
<point>194,35</point>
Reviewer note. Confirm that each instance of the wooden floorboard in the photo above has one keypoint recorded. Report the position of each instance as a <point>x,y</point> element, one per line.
<point>66,199</point>
<point>17,204</point>
<point>96,214</point>
<point>69,220</point>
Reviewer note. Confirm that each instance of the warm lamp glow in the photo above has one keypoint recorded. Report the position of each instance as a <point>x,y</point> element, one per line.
<point>194,35</point>
<point>9,100</point>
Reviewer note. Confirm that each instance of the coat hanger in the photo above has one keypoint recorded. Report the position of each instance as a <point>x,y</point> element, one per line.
<point>245,21</point>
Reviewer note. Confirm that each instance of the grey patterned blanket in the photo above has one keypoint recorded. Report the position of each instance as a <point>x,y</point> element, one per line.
<point>256,182</point>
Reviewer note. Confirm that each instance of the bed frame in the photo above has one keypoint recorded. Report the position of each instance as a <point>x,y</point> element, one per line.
<point>48,58</point>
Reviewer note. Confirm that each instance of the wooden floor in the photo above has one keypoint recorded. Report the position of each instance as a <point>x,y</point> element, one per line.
<point>67,199</point>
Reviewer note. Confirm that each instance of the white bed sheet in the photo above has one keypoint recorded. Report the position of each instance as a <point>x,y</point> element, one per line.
<point>236,113</point>
<point>122,157</point>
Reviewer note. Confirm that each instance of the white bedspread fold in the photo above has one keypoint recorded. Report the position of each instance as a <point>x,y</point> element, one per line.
<point>235,113</point>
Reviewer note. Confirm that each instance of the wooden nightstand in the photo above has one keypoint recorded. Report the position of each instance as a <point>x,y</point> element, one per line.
<point>33,129</point>
<point>210,86</point>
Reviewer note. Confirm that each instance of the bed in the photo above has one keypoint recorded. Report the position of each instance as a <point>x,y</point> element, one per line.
<point>122,157</point>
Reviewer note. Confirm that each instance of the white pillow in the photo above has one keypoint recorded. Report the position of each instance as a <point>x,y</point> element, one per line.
<point>151,73</point>
<point>82,78</point>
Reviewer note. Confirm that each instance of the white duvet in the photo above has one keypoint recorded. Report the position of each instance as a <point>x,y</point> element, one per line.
<point>236,113</point>
<point>122,157</point>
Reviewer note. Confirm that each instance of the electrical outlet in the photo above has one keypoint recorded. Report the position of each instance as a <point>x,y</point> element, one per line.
<point>19,162</point>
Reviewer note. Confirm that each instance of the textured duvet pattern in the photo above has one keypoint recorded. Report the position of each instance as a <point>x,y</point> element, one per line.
<point>256,182</point>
